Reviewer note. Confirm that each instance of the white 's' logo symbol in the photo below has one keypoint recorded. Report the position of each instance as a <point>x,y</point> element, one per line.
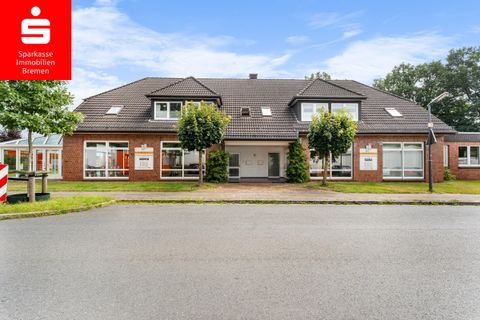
<point>31,33</point>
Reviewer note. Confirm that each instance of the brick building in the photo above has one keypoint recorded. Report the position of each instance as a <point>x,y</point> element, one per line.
<point>129,132</point>
<point>462,154</point>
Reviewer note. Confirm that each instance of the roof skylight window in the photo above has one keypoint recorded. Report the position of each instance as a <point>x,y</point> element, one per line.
<point>114,109</point>
<point>266,112</point>
<point>393,112</point>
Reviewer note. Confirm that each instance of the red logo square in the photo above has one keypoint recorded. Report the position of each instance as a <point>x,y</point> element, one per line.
<point>37,40</point>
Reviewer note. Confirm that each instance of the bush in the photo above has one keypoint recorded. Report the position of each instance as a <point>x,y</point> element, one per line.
<point>297,163</point>
<point>217,166</point>
<point>448,175</point>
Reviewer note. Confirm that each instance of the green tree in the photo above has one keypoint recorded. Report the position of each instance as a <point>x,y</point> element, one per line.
<point>319,75</point>
<point>200,127</point>
<point>459,75</point>
<point>217,166</point>
<point>38,107</point>
<point>297,163</point>
<point>330,135</point>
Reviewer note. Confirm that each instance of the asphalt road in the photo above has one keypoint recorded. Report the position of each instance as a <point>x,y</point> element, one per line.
<point>243,262</point>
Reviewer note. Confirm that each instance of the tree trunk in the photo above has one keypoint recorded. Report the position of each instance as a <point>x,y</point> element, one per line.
<point>326,158</point>
<point>200,165</point>
<point>31,180</point>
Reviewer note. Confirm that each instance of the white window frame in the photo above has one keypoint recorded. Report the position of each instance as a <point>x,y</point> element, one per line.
<point>197,103</point>
<point>107,170</point>
<point>44,150</point>
<point>182,177</point>
<point>445,156</point>
<point>357,107</point>
<point>403,150</point>
<point>155,117</point>
<point>316,108</point>
<point>330,169</point>
<point>469,160</point>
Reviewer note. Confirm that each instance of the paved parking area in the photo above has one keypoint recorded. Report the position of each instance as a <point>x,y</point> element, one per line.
<point>243,262</point>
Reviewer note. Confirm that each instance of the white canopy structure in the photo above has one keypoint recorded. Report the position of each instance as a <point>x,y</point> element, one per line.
<point>47,154</point>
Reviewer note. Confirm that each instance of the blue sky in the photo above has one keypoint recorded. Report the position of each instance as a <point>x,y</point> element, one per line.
<point>115,42</point>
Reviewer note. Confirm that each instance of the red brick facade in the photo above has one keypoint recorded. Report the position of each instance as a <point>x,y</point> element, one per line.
<point>467,173</point>
<point>73,149</point>
<point>376,142</point>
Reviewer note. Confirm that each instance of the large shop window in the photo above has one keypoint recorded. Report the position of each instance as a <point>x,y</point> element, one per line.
<point>178,163</point>
<point>341,168</point>
<point>469,156</point>
<point>106,160</point>
<point>402,160</point>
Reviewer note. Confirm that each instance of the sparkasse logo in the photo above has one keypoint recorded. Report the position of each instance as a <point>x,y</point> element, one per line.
<point>31,33</point>
<point>36,40</point>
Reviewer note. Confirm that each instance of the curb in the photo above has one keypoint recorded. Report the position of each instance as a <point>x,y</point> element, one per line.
<point>337,202</point>
<point>8,216</point>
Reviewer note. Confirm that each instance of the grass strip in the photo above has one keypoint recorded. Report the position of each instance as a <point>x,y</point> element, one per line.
<point>54,206</point>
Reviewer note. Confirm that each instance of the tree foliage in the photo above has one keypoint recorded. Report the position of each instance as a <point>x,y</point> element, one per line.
<point>297,163</point>
<point>200,127</point>
<point>319,75</point>
<point>331,134</point>
<point>10,134</point>
<point>37,106</point>
<point>217,166</point>
<point>459,75</point>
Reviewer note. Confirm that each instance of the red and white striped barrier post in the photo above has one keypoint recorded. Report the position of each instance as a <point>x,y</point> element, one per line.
<point>3,182</point>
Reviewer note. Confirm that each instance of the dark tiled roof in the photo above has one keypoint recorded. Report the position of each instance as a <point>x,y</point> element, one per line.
<point>322,89</point>
<point>375,119</point>
<point>188,87</point>
<point>253,93</point>
<point>463,137</point>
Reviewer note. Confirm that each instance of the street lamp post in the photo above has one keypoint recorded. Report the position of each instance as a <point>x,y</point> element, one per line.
<point>431,137</point>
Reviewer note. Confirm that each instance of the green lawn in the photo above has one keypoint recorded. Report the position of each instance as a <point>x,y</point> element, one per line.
<point>56,205</point>
<point>458,186</point>
<point>102,186</point>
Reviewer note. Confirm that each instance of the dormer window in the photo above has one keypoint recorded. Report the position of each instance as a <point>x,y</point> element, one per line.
<point>309,109</point>
<point>167,110</point>
<point>197,103</point>
<point>266,112</point>
<point>351,108</point>
<point>114,110</point>
<point>245,111</point>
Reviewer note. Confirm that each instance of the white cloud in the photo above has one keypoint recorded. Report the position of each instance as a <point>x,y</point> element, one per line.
<point>332,19</point>
<point>374,58</point>
<point>87,83</point>
<point>107,44</point>
<point>297,40</point>
<point>351,33</point>
<point>342,22</point>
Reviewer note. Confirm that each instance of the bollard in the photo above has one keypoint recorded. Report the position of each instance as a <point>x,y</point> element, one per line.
<point>44,183</point>
<point>3,182</point>
<point>31,187</point>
